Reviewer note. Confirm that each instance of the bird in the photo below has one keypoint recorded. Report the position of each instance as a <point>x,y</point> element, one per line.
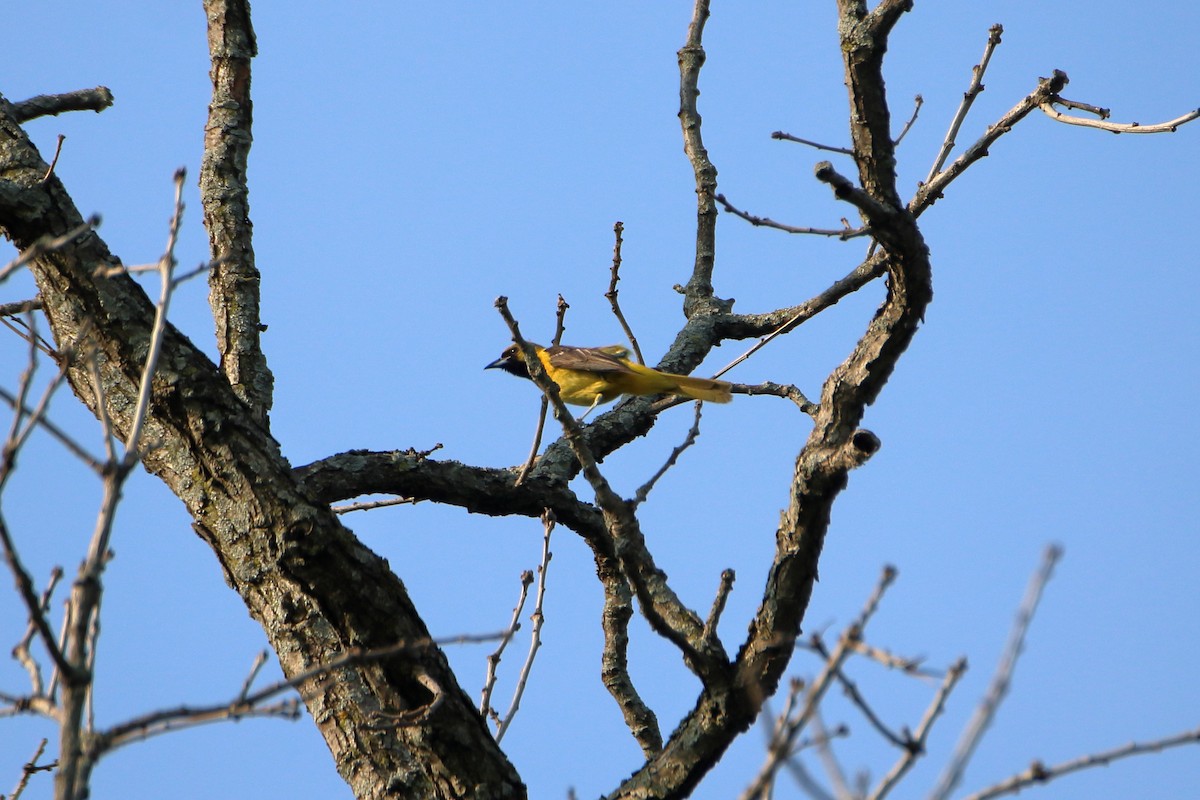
<point>589,376</point>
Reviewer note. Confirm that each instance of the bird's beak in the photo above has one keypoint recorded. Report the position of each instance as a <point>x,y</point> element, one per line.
<point>498,363</point>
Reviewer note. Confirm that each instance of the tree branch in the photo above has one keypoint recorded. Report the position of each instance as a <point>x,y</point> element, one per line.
<point>932,190</point>
<point>1170,126</point>
<point>234,282</point>
<point>51,105</point>
<point>998,688</point>
<point>1039,773</point>
<point>314,588</point>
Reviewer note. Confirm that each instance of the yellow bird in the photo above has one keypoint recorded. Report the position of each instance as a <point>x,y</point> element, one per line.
<point>588,376</point>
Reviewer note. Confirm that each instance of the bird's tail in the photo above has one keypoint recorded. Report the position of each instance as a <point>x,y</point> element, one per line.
<point>703,388</point>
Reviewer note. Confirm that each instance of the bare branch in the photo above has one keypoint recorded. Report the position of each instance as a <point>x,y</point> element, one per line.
<point>820,739</point>
<point>822,742</point>
<point>932,189</point>
<point>973,91</point>
<point>611,294</point>
<point>535,634</point>
<point>614,663</point>
<point>235,280</point>
<point>31,767</point>
<point>850,688</point>
<point>718,606</point>
<point>884,16</point>
<point>787,137</point>
<point>48,245</point>
<point>247,704</point>
<point>20,307</point>
<point>166,267</point>
<point>886,578</point>
<point>693,433</point>
<point>33,604</point>
<point>698,294</point>
<point>766,222</point>
<point>872,210</point>
<point>182,717</point>
<point>788,392</point>
<point>493,659</point>
<point>1170,126</point>
<point>912,666</point>
<point>1039,773</point>
<point>914,747</point>
<point>918,101</point>
<point>783,743</point>
<point>21,651</point>
<point>371,505</point>
<point>786,320</point>
<point>54,161</point>
<point>998,688</point>
<point>50,105</point>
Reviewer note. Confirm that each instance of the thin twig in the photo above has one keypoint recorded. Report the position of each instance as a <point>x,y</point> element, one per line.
<point>932,189</point>
<point>914,748</point>
<point>21,651</point>
<point>166,268</point>
<point>538,618</point>
<point>36,417</point>
<point>842,233</point>
<point>256,666</point>
<point>359,655</point>
<point>1039,773</point>
<point>54,161</point>
<point>29,769</point>
<point>1169,126</point>
<point>911,666</point>
<point>47,245</point>
<point>493,660</point>
<point>886,578</point>
<point>23,326</point>
<point>1097,111</point>
<point>812,698</point>
<point>82,632</point>
<point>15,438</point>
<point>998,688</point>
<point>718,606</point>
<point>973,90</point>
<point>611,294</point>
<point>776,732</point>
<point>181,717</point>
<point>644,490</point>
<point>787,137</point>
<point>918,101</point>
<point>850,688</point>
<point>369,505</point>
<point>786,391</point>
<point>822,741</point>
<point>33,603</point>
<point>194,272</point>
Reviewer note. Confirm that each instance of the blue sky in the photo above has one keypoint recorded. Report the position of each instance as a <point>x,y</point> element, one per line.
<point>414,161</point>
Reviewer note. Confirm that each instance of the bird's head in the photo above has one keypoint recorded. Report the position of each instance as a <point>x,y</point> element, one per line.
<point>511,362</point>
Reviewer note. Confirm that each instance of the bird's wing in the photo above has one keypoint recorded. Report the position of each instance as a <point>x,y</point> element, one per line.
<point>589,359</point>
